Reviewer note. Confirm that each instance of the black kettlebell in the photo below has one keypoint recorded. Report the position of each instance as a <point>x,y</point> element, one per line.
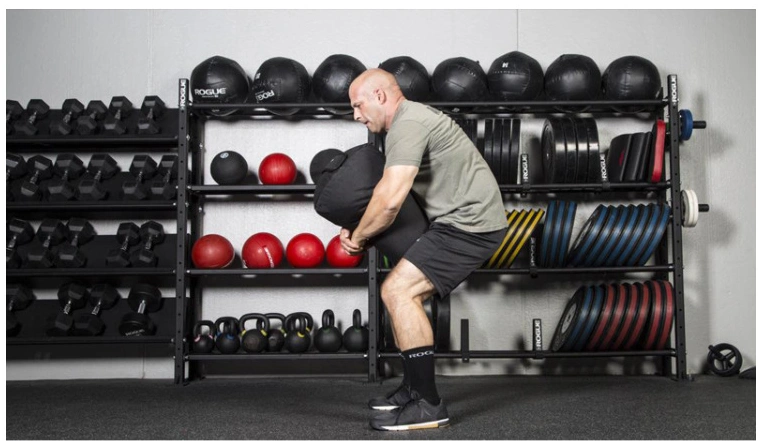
<point>328,338</point>
<point>254,340</point>
<point>356,336</point>
<point>227,338</point>
<point>203,343</point>
<point>275,336</point>
<point>298,325</point>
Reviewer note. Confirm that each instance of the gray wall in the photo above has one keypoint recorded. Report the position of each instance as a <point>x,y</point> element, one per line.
<point>96,54</point>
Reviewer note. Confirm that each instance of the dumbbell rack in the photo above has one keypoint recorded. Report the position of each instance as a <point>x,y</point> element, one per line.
<point>34,317</point>
<point>667,259</point>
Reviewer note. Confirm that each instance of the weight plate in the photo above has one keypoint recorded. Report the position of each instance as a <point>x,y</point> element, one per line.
<point>614,235</point>
<point>514,151</point>
<point>690,206</point>
<point>657,235</point>
<point>685,124</point>
<point>647,234</point>
<point>624,236</point>
<point>619,312</point>
<point>505,153</point>
<point>650,333</point>
<point>547,141</point>
<point>643,309</point>
<point>527,233</point>
<point>657,150</point>
<point>629,317</point>
<point>584,311</point>
<point>582,150</point>
<point>618,153</point>
<point>645,213</point>
<point>634,165</point>
<point>441,309</point>
<point>644,169</point>
<point>598,298</point>
<point>668,313</point>
<point>522,222</point>
<point>568,321</point>
<point>488,123</point>
<point>593,140</point>
<point>497,149</point>
<point>571,150</point>
<point>604,320</point>
<point>512,218</point>
<point>602,237</point>
<point>566,226</point>
<point>547,234</point>
<point>587,236</point>
<point>555,246</point>
<point>554,151</point>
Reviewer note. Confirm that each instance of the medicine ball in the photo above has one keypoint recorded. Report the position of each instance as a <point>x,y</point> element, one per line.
<point>219,80</point>
<point>332,78</point>
<point>631,78</point>
<point>459,79</point>
<point>212,251</point>
<point>228,168</point>
<point>305,250</point>
<point>281,80</point>
<point>337,257</point>
<point>262,250</point>
<point>515,76</point>
<point>320,161</point>
<point>411,76</point>
<point>277,169</point>
<point>572,77</point>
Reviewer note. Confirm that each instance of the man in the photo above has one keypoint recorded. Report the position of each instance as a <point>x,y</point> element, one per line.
<point>427,152</point>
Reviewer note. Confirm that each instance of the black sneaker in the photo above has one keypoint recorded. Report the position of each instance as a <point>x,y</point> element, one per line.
<point>416,414</point>
<point>395,399</point>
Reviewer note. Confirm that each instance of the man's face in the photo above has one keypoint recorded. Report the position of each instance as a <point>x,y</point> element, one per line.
<point>367,110</point>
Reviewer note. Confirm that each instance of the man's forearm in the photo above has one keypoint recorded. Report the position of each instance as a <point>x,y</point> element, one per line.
<point>377,218</point>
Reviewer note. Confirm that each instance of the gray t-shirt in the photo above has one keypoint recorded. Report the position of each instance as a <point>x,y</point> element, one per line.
<point>454,184</point>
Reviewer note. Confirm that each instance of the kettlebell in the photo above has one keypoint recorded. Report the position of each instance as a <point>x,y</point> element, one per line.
<point>203,343</point>
<point>254,340</point>
<point>275,336</point>
<point>298,337</point>
<point>227,338</point>
<point>328,338</point>
<point>356,336</point>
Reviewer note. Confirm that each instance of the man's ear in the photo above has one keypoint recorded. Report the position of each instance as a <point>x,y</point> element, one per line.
<point>380,96</point>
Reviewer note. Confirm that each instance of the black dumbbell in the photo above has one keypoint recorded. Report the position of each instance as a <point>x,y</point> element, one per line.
<point>71,296</point>
<point>102,296</point>
<point>142,298</point>
<point>67,167</point>
<point>127,235</point>
<point>15,167</point>
<point>152,109</point>
<point>87,123</point>
<point>101,166</point>
<point>18,232</point>
<point>68,255</point>
<point>13,110</point>
<point>162,187</point>
<point>152,234</point>
<point>19,297</point>
<point>51,232</point>
<point>119,109</point>
<point>42,168</point>
<point>142,167</point>
<point>72,108</point>
<point>36,109</point>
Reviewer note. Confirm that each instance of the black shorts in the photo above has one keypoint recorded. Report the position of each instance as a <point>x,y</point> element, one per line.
<point>447,255</point>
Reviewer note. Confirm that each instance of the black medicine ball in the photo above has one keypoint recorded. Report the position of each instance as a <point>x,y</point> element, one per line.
<point>459,79</point>
<point>332,78</point>
<point>219,80</point>
<point>572,77</point>
<point>631,78</point>
<point>281,80</point>
<point>515,76</point>
<point>228,168</point>
<point>411,76</point>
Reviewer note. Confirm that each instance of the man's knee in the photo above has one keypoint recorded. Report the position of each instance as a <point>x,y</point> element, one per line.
<point>396,291</point>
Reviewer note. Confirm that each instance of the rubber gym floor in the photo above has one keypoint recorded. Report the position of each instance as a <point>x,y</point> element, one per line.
<point>484,407</point>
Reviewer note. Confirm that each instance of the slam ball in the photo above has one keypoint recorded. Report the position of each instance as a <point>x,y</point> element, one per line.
<point>281,80</point>
<point>305,250</point>
<point>219,80</point>
<point>411,76</point>
<point>337,257</point>
<point>212,251</point>
<point>228,168</point>
<point>515,76</point>
<point>262,250</point>
<point>332,78</point>
<point>277,169</point>
<point>459,79</point>
<point>572,77</point>
<point>631,78</point>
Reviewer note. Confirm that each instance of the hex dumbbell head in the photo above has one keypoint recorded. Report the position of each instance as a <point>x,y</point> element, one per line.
<point>152,109</point>
<point>40,168</point>
<point>62,323</point>
<point>118,110</point>
<point>142,167</point>
<point>162,186</point>
<point>128,232</point>
<point>13,111</point>
<point>15,166</point>
<point>87,123</point>
<point>102,165</point>
<point>50,233</point>
<point>70,166</point>
<point>69,255</point>
<point>90,324</point>
<point>18,233</point>
<point>151,232</point>
<point>72,109</point>
<point>36,110</point>
<point>137,323</point>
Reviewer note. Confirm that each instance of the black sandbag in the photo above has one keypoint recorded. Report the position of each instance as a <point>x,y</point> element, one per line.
<point>344,190</point>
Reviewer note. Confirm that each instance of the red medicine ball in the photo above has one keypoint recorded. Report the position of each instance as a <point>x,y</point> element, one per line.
<point>212,251</point>
<point>305,251</point>
<point>277,169</point>
<point>262,250</point>
<point>338,257</point>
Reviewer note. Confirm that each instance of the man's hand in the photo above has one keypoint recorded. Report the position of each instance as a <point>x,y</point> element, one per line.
<point>351,245</point>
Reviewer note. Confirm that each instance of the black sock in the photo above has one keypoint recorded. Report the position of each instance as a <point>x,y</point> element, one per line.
<point>420,364</point>
<point>406,375</point>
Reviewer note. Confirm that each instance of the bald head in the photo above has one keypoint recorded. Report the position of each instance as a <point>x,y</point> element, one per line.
<point>376,79</point>
<point>375,97</point>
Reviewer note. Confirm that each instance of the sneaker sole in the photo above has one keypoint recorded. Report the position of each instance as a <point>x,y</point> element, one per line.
<point>428,425</point>
<point>384,407</point>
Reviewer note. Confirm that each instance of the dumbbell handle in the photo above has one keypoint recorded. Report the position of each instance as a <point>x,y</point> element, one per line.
<point>33,117</point>
<point>7,174</point>
<point>64,178</point>
<point>35,176</point>
<point>142,306</point>
<point>75,240</point>
<point>67,308</point>
<point>98,175</point>
<point>140,175</point>
<point>125,245</point>
<point>167,176</point>
<point>67,117</point>
<point>12,243</point>
<point>117,115</point>
<point>96,309</point>
<point>149,243</point>
<point>47,241</point>
<point>93,115</point>
<point>8,115</point>
<point>10,304</point>
<point>150,114</point>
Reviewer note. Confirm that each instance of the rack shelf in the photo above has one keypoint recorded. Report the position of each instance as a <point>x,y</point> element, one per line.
<point>277,356</point>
